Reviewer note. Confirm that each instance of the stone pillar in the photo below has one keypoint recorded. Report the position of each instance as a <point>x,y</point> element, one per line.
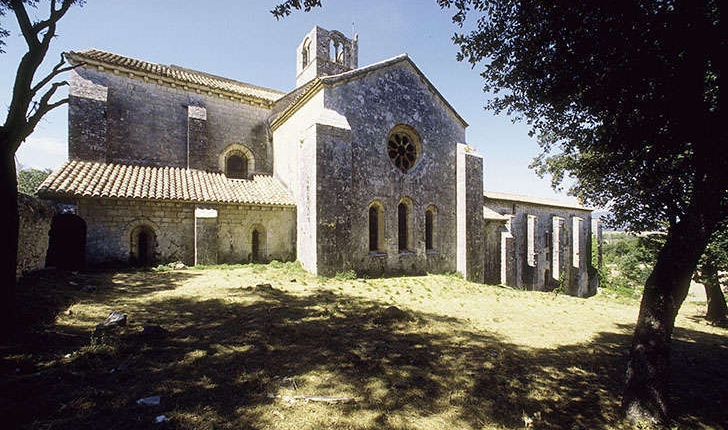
<point>197,137</point>
<point>87,124</point>
<point>205,236</point>
<point>333,199</point>
<point>470,223</point>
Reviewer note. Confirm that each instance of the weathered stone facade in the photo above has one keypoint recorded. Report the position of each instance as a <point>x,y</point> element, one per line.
<point>35,217</point>
<point>367,168</point>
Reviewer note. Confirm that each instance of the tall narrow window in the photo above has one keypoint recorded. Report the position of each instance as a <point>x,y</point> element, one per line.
<point>373,229</point>
<point>404,223</point>
<point>430,226</point>
<point>236,167</point>
<point>531,240</point>
<point>376,228</point>
<point>305,53</point>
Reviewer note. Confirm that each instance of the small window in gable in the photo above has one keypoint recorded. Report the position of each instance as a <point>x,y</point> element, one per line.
<point>236,166</point>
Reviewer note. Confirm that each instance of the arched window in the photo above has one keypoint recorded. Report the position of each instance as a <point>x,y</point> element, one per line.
<point>237,161</point>
<point>430,226</point>
<point>143,243</point>
<point>306,53</point>
<point>236,166</point>
<point>404,223</point>
<point>376,227</point>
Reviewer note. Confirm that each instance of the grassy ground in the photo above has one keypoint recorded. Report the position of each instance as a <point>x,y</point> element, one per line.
<point>239,352</point>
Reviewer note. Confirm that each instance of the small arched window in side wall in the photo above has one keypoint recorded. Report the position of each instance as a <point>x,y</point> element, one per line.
<point>376,228</point>
<point>404,222</point>
<point>236,166</point>
<point>430,228</point>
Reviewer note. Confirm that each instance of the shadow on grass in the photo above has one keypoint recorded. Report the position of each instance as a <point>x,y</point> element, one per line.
<point>223,358</point>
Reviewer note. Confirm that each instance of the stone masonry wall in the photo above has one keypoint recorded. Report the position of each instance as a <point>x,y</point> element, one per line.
<point>471,248</point>
<point>373,105</point>
<point>573,276</point>
<point>35,218</point>
<point>109,224</point>
<point>147,123</point>
<point>235,227</point>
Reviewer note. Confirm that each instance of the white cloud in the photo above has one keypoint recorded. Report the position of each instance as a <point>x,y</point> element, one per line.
<point>41,152</point>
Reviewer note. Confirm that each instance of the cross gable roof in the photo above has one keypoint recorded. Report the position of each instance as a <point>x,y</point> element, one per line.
<point>289,104</point>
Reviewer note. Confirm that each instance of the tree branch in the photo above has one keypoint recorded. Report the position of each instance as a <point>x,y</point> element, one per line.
<point>57,70</point>
<point>39,109</point>
<point>26,27</point>
<point>54,16</point>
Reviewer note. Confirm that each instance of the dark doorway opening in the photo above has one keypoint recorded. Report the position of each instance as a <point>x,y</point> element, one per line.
<point>67,242</point>
<point>255,246</point>
<point>143,246</point>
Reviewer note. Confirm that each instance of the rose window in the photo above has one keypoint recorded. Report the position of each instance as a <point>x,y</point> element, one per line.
<point>403,148</point>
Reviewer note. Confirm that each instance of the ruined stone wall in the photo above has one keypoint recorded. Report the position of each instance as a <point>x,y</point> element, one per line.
<point>373,105</point>
<point>109,224</point>
<point>492,237</point>
<point>550,267</point>
<point>470,245</point>
<point>235,227</point>
<point>117,118</point>
<point>35,218</point>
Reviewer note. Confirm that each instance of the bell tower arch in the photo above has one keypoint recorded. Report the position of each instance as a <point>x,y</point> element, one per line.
<point>323,53</point>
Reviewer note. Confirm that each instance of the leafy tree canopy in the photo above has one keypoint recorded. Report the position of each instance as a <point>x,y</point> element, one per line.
<point>29,179</point>
<point>623,96</point>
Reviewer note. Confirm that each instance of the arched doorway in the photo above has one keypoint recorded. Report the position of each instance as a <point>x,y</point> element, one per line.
<point>143,246</point>
<point>67,242</point>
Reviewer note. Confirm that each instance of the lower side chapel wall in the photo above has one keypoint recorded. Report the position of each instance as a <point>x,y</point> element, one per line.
<point>111,224</point>
<point>276,229</point>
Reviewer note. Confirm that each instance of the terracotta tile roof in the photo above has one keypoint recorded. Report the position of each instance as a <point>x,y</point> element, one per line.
<point>100,180</point>
<point>177,73</point>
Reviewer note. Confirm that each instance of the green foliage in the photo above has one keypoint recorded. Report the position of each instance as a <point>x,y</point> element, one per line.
<point>628,261</point>
<point>604,86</point>
<point>346,275</point>
<point>715,257</point>
<point>29,179</point>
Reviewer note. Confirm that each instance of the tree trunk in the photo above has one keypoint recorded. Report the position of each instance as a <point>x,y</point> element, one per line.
<point>717,309</point>
<point>645,397</point>
<point>8,236</point>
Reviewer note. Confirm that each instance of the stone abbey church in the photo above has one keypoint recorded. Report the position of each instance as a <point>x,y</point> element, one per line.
<point>358,168</point>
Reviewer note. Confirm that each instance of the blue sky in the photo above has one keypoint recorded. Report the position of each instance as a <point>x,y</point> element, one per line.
<point>242,40</point>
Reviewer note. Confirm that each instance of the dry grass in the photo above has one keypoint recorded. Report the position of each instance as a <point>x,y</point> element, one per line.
<point>464,356</point>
